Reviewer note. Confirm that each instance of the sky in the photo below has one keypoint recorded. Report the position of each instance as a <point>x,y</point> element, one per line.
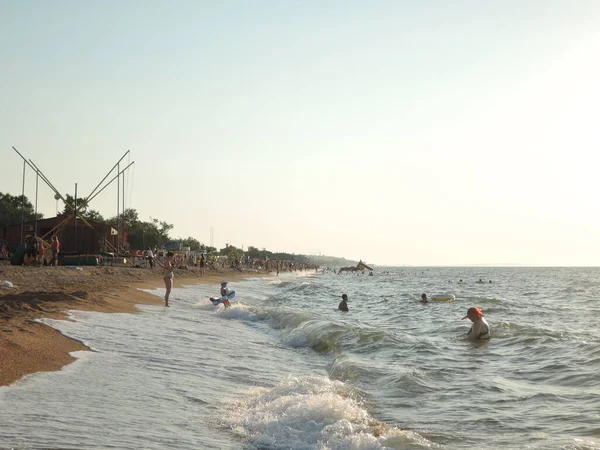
<point>397,132</point>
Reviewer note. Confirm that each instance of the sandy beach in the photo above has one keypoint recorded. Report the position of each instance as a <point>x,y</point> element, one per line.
<point>27,346</point>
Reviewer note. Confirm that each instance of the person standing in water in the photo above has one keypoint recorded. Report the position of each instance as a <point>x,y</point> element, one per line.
<point>480,328</point>
<point>168,267</point>
<point>343,306</point>
<point>424,298</point>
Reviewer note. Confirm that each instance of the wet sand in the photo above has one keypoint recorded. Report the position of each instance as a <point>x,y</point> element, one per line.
<point>27,346</point>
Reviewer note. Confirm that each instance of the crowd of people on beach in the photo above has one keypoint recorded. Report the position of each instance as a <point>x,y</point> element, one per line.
<point>39,252</point>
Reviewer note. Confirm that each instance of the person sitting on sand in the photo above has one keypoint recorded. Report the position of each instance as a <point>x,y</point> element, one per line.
<point>343,306</point>
<point>168,267</point>
<point>480,328</point>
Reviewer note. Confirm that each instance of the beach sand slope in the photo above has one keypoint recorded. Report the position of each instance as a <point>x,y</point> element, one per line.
<point>27,346</point>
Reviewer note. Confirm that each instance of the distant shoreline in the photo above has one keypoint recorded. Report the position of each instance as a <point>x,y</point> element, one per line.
<point>491,266</point>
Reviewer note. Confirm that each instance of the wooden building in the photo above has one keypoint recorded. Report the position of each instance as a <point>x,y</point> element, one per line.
<point>80,238</point>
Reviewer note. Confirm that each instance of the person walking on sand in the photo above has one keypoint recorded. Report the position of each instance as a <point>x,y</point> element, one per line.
<point>343,306</point>
<point>55,249</point>
<point>150,257</point>
<point>202,264</point>
<point>168,267</point>
<point>480,328</point>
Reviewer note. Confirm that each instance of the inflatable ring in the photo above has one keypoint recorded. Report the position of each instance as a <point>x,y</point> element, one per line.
<point>443,298</point>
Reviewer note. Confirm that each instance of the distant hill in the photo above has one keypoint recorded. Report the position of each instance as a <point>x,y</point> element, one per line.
<point>498,265</point>
<point>332,261</point>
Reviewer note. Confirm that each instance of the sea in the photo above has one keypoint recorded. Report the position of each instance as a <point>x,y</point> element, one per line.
<point>283,368</point>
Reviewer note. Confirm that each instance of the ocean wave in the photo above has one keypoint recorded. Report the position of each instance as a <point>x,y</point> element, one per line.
<point>476,300</point>
<point>345,367</point>
<point>280,283</point>
<point>237,311</point>
<point>305,287</point>
<point>205,305</point>
<point>304,330</point>
<point>321,336</point>
<point>313,412</point>
<point>583,444</point>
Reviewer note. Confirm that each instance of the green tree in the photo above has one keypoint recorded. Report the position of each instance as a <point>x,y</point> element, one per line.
<point>210,250</point>
<point>82,205</point>
<point>129,216</point>
<point>231,251</point>
<point>94,215</point>
<point>192,243</point>
<point>11,208</point>
<point>163,229</point>
<point>254,252</point>
<point>142,234</point>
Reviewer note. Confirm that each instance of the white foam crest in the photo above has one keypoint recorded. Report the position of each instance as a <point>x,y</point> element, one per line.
<point>237,311</point>
<point>57,324</point>
<point>311,412</point>
<point>295,340</point>
<point>306,273</point>
<point>205,305</point>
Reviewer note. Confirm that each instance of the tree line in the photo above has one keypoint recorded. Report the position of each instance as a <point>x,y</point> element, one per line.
<point>12,208</point>
<point>143,234</point>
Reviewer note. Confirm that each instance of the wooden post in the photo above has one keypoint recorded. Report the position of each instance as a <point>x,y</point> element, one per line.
<point>23,207</point>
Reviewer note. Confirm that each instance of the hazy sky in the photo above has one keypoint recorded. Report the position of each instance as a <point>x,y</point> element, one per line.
<point>399,132</point>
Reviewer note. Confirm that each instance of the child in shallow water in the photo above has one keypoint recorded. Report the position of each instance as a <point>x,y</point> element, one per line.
<point>225,293</point>
<point>480,328</point>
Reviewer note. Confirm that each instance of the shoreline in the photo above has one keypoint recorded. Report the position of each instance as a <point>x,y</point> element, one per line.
<point>28,346</point>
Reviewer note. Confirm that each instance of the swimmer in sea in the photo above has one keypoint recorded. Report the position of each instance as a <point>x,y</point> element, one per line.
<point>480,328</point>
<point>424,298</point>
<point>168,267</point>
<point>343,306</point>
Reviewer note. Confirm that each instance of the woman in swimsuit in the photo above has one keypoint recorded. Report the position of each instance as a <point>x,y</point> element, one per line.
<point>169,267</point>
